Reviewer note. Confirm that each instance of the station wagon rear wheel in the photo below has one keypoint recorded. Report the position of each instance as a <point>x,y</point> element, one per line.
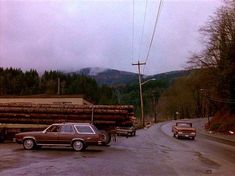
<point>28,144</point>
<point>78,145</point>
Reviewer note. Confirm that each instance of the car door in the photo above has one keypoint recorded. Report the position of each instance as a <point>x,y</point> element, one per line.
<point>51,135</point>
<point>67,133</point>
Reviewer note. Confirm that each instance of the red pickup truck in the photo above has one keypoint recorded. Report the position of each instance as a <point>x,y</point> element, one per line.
<point>183,130</point>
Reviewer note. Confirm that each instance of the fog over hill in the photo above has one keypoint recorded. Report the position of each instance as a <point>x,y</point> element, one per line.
<point>114,77</point>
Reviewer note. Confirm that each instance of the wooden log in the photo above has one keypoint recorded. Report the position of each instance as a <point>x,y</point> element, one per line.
<point>24,120</point>
<point>62,116</point>
<point>60,110</point>
<point>12,125</point>
<point>70,106</point>
<point>117,115</point>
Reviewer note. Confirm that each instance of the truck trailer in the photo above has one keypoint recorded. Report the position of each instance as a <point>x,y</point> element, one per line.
<point>20,117</point>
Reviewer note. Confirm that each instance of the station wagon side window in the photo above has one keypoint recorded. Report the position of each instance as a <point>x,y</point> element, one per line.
<point>84,129</point>
<point>67,129</point>
<point>54,128</point>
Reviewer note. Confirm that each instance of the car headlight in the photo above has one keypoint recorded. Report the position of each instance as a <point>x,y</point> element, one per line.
<point>180,132</point>
<point>193,133</point>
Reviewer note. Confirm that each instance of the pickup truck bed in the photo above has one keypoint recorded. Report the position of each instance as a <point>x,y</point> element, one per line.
<point>128,131</point>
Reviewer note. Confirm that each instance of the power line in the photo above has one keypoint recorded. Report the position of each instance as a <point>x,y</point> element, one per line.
<point>154,29</point>
<point>227,101</point>
<point>142,33</point>
<point>133,30</point>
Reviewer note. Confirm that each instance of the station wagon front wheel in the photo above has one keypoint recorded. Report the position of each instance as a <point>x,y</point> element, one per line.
<point>78,145</point>
<point>28,144</point>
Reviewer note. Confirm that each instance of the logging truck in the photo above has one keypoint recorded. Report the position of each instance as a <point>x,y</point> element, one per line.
<point>20,117</point>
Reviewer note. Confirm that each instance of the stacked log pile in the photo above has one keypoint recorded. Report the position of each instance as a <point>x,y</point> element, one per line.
<point>25,113</point>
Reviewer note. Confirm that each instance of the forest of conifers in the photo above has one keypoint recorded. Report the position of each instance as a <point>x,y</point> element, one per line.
<point>16,82</point>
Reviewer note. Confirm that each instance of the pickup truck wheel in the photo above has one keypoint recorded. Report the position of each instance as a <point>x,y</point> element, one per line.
<point>177,136</point>
<point>78,145</point>
<point>193,138</point>
<point>29,144</point>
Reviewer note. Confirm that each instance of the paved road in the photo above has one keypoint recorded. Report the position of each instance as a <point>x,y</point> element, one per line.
<point>206,154</point>
<point>152,152</point>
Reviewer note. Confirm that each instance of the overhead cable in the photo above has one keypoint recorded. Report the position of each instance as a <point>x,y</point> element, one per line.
<point>133,30</point>
<point>143,27</point>
<point>154,29</point>
<point>227,101</point>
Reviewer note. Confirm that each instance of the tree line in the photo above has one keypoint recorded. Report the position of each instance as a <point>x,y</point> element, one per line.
<point>130,94</point>
<point>210,88</point>
<point>16,82</point>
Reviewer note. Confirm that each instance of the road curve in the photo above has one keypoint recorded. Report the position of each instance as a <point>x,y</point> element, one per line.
<point>211,155</point>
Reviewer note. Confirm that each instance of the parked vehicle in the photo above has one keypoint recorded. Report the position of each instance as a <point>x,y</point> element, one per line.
<point>127,131</point>
<point>77,135</point>
<point>22,117</point>
<point>183,130</point>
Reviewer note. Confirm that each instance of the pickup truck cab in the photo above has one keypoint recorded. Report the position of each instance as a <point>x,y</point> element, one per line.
<point>184,130</point>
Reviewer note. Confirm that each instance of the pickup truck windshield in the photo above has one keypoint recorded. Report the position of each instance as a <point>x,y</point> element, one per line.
<point>186,125</point>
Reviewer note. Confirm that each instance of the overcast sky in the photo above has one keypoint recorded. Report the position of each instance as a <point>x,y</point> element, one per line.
<point>73,34</point>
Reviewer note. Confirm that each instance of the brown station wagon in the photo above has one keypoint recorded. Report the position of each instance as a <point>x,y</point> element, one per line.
<point>77,135</point>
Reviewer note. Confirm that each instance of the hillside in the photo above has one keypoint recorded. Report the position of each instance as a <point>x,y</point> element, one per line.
<point>112,77</point>
<point>170,75</point>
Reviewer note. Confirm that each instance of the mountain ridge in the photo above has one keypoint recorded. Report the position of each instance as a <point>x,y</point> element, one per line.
<point>114,77</point>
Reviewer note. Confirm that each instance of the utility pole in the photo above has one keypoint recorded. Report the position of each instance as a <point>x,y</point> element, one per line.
<point>207,108</point>
<point>206,105</point>
<point>141,96</point>
<point>154,107</point>
<point>58,86</point>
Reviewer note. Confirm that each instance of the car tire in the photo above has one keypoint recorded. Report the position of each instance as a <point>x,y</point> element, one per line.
<point>193,138</point>
<point>29,144</point>
<point>177,136</point>
<point>78,145</point>
<point>107,137</point>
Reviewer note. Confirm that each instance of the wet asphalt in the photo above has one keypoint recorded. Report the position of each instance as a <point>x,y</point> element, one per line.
<point>151,152</point>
